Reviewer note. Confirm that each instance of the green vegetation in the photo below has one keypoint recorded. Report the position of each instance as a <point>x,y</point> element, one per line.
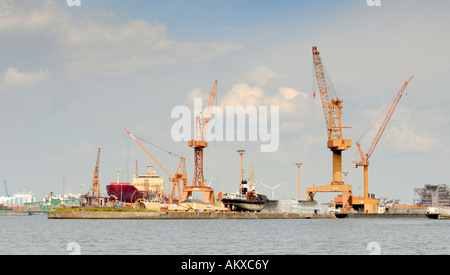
<point>78,209</point>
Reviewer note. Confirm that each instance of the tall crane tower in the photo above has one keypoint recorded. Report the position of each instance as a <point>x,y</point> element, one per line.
<point>199,144</point>
<point>95,191</point>
<point>365,157</point>
<point>180,174</point>
<point>332,109</point>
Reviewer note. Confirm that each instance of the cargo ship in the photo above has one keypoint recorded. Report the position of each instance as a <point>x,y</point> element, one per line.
<point>149,186</point>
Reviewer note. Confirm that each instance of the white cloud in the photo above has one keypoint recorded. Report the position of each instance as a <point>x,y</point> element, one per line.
<point>193,94</point>
<point>136,46</point>
<point>29,16</point>
<point>403,132</point>
<point>292,103</point>
<point>246,95</point>
<point>14,78</point>
<point>105,48</point>
<point>261,75</point>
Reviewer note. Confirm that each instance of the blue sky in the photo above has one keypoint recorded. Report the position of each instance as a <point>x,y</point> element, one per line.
<point>73,77</point>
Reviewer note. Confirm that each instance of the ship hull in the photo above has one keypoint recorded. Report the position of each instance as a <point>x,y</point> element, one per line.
<point>130,194</point>
<point>244,205</point>
<point>124,193</point>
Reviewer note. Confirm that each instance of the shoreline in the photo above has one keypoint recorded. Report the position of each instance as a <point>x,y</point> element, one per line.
<point>179,215</point>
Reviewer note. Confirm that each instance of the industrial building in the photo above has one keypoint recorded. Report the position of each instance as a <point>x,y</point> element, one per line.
<point>433,195</point>
<point>151,181</point>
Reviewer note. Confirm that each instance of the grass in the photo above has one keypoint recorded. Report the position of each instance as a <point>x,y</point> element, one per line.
<point>61,209</point>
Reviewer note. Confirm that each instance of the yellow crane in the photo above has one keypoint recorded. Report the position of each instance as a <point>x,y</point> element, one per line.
<point>95,191</point>
<point>365,157</point>
<point>332,109</point>
<point>199,144</point>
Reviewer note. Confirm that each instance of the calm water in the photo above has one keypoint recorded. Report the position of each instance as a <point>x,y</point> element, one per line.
<point>38,235</point>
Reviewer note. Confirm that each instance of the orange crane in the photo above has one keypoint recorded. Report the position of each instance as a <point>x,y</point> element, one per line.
<point>365,157</point>
<point>180,174</point>
<point>199,144</point>
<point>95,191</point>
<point>332,109</point>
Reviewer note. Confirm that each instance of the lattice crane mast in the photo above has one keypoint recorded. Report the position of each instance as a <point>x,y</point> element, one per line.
<point>199,144</point>
<point>95,191</point>
<point>365,157</point>
<point>180,174</point>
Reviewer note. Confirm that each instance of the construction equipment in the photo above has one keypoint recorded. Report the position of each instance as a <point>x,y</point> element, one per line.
<point>365,157</point>
<point>199,144</point>
<point>6,190</point>
<point>332,109</point>
<point>95,191</point>
<point>180,174</point>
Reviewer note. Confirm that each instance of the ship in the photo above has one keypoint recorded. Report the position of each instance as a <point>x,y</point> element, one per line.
<point>246,200</point>
<point>149,186</point>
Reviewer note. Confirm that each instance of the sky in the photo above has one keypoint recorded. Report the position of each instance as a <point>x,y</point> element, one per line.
<point>72,78</point>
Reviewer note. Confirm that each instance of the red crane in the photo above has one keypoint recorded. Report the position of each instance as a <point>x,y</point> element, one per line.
<point>180,174</point>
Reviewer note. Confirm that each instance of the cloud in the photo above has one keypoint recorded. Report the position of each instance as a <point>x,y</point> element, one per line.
<point>29,16</point>
<point>136,46</point>
<point>261,75</point>
<point>14,78</point>
<point>101,47</point>
<point>246,95</point>
<point>292,103</point>
<point>196,93</point>
<point>404,132</point>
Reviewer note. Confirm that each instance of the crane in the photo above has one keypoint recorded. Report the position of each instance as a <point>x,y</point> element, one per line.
<point>95,191</point>
<point>332,109</point>
<point>199,144</point>
<point>180,174</point>
<point>6,190</point>
<point>365,157</point>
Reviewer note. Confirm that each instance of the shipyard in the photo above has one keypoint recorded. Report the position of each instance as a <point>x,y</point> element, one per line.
<point>211,133</point>
<point>147,192</point>
<point>147,198</point>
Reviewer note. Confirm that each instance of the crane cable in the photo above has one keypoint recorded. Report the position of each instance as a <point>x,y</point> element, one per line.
<point>160,148</point>
<point>314,122</point>
<point>373,123</point>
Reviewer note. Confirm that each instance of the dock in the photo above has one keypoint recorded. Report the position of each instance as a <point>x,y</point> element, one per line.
<point>179,215</point>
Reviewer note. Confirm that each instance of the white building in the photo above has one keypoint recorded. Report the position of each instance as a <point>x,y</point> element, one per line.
<point>18,199</point>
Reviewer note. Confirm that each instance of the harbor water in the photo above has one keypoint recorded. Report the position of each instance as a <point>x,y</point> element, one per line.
<point>37,235</point>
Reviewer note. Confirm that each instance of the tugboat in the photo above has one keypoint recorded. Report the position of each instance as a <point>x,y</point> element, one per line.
<point>246,200</point>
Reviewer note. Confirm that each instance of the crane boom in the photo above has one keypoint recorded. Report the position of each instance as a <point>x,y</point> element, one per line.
<point>209,107</point>
<point>323,88</point>
<point>149,154</point>
<point>175,179</point>
<point>365,157</point>
<point>392,108</point>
